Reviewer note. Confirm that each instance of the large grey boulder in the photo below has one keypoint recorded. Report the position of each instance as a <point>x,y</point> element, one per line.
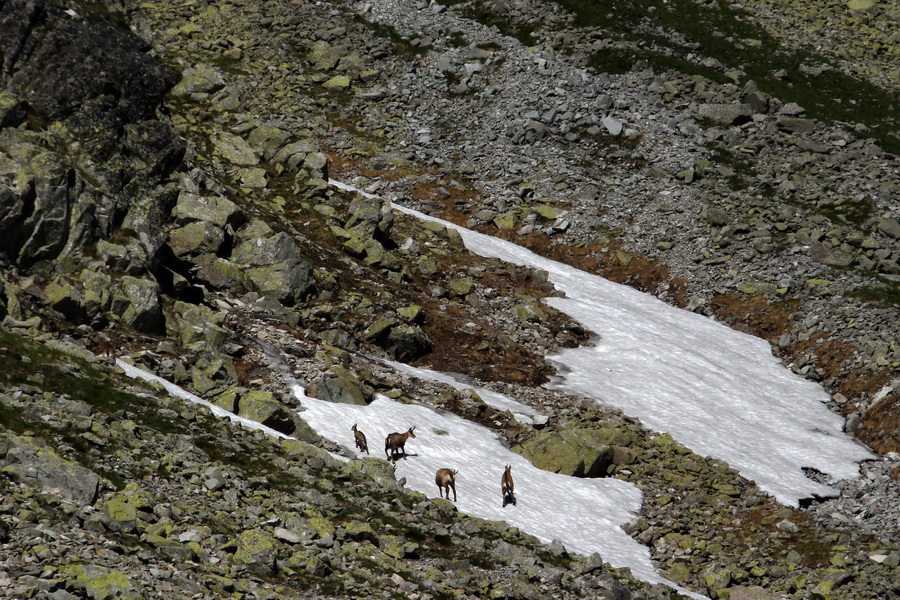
<point>275,267</point>
<point>340,385</point>
<point>38,466</point>
<point>575,452</point>
<point>211,209</point>
<point>726,114</point>
<point>138,304</point>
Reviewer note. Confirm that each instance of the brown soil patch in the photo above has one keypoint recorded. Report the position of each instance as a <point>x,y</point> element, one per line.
<point>881,426</point>
<point>756,314</point>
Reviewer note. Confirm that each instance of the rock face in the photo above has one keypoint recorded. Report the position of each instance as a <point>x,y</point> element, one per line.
<point>97,82</point>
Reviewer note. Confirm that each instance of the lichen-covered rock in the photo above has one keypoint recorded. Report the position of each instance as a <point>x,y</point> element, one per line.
<point>200,237</point>
<point>277,268</point>
<point>121,510</point>
<point>99,583</point>
<point>195,324</point>
<point>219,211</point>
<point>199,79</point>
<point>13,110</point>
<point>29,462</point>
<point>575,452</point>
<point>66,296</point>
<point>221,274</point>
<point>137,303</point>
<point>262,407</point>
<point>288,281</point>
<point>212,372</point>
<point>406,342</point>
<point>257,550</point>
<point>235,150</point>
<point>340,385</point>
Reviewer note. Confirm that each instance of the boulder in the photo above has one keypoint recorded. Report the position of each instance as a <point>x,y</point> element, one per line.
<point>262,407</point>
<point>199,79</point>
<point>222,274</point>
<point>726,114</point>
<point>98,583</point>
<point>122,510</point>
<point>288,282</point>
<point>137,303</point>
<point>219,211</point>
<point>197,324</point>
<point>35,213</point>
<point>256,550</point>
<point>96,294</point>
<point>890,227</point>
<point>340,385</point>
<point>27,461</point>
<point>13,110</point>
<point>575,452</point>
<point>369,217</point>
<point>406,343</point>
<point>66,297</point>
<point>200,237</point>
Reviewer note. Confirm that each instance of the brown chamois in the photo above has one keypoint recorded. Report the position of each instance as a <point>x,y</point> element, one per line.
<point>446,480</point>
<point>360,437</point>
<point>507,487</point>
<point>394,443</point>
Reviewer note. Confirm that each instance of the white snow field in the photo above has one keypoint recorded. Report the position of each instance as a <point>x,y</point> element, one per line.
<point>717,391</point>
<point>586,515</point>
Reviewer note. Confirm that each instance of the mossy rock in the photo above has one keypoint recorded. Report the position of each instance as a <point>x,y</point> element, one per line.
<point>28,461</point>
<point>262,407</point>
<point>575,452</point>
<point>215,210</point>
<point>257,550</point>
<point>200,237</point>
<point>340,385</point>
<point>99,583</point>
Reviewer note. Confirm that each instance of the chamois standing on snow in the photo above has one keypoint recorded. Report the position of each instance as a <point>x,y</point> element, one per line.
<point>360,437</point>
<point>507,487</point>
<point>394,443</point>
<point>446,480</point>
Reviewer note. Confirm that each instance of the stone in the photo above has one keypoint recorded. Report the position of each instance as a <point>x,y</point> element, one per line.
<point>13,110</point>
<point>613,126</point>
<point>27,461</point>
<point>796,124</point>
<point>256,550</point>
<point>199,79</point>
<point>99,583</point>
<point>574,452</point>
<point>340,385</point>
<point>262,407</point>
<point>235,150</point>
<point>216,210</point>
<point>200,237</point>
<point>142,308</point>
<point>405,342</point>
<point>890,227</point>
<point>726,114</point>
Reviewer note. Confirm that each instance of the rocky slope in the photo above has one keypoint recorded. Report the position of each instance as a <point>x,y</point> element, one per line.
<point>165,200</point>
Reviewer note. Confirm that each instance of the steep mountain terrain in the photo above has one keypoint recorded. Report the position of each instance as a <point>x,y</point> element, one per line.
<point>165,199</point>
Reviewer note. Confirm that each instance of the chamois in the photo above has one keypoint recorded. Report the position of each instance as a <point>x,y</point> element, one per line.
<point>446,480</point>
<point>507,486</point>
<point>394,443</point>
<point>360,439</point>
